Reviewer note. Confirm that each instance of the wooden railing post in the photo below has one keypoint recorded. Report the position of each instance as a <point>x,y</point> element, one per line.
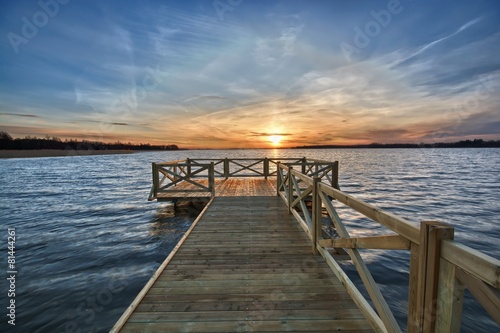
<point>335,175</point>
<point>316,215</point>
<point>211,176</point>
<point>266,168</point>
<point>188,161</point>
<point>155,179</point>
<point>226,168</point>
<point>304,161</point>
<point>278,180</point>
<point>414,320</point>
<point>426,284</point>
<point>450,299</point>
<point>290,189</point>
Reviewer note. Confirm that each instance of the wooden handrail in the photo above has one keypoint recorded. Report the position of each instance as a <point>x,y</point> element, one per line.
<point>172,173</point>
<point>397,224</point>
<point>440,268</point>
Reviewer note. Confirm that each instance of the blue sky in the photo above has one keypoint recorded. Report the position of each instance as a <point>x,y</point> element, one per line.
<point>241,73</point>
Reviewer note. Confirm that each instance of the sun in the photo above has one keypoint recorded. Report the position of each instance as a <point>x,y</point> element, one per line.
<point>275,139</point>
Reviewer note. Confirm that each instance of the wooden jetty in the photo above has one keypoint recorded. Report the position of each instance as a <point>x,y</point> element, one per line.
<point>258,260</point>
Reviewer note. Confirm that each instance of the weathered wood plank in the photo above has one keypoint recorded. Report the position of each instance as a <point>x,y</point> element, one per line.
<point>214,302</point>
<point>261,280</point>
<point>235,315</point>
<point>388,242</point>
<point>250,325</point>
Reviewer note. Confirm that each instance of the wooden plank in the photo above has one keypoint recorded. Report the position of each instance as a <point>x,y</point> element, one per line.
<point>234,315</point>
<point>249,303</point>
<point>473,262</point>
<point>261,280</point>
<point>251,325</point>
<point>221,287</point>
<point>387,242</point>
<point>214,302</point>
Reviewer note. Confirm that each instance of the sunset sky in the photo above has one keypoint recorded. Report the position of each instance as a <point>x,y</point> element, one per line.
<point>251,73</point>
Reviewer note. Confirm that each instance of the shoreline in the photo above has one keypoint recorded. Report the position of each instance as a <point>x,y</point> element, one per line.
<point>58,153</point>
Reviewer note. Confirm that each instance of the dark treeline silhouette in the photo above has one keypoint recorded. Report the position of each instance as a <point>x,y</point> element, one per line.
<point>476,143</point>
<point>28,143</point>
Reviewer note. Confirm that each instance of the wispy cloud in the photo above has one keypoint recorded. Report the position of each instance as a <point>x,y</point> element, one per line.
<point>422,49</point>
<point>18,115</point>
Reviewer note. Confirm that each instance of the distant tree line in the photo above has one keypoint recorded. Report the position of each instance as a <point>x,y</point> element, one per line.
<point>476,143</point>
<point>8,143</point>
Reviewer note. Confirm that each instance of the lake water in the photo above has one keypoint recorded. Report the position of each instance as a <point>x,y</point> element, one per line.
<point>87,239</point>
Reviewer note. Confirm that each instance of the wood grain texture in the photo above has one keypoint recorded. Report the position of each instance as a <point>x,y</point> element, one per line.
<point>240,271</point>
<point>232,187</point>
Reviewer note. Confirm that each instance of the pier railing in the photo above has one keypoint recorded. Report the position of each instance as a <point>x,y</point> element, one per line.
<point>166,176</point>
<point>202,172</point>
<point>267,167</point>
<point>440,268</point>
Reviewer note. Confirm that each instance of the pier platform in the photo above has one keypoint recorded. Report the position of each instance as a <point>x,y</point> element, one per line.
<point>257,258</point>
<point>233,187</point>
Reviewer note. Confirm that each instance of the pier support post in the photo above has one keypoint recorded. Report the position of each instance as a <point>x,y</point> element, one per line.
<point>424,283</point>
<point>316,215</point>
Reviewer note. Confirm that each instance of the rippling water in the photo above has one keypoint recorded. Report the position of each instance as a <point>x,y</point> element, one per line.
<point>88,240</point>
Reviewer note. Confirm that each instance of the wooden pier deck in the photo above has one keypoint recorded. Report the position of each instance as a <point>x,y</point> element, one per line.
<point>233,187</point>
<point>246,266</point>
<point>256,259</point>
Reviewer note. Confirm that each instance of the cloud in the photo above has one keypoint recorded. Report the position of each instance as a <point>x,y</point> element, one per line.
<point>18,115</point>
<point>269,134</point>
<point>440,40</point>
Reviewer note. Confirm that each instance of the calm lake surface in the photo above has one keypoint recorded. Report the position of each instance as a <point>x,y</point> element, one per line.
<point>87,239</point>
